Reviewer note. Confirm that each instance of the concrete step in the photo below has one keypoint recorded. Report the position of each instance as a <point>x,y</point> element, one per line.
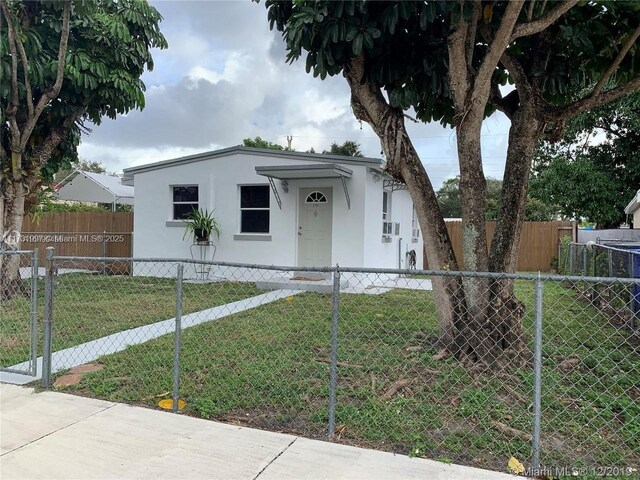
<point>313,275</point>
<point>318,286</point>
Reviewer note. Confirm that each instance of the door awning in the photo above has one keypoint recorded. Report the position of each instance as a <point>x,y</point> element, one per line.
<point>302,172</point>
<point>295,172</point>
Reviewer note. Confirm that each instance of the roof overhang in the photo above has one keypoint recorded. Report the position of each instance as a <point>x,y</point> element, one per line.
<point>88,187</point>
<point>303,172</point>
<point>300,172</point>
<point>634,204</point>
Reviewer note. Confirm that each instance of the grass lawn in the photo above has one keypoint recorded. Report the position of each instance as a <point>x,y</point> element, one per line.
<point>92,306</point>
<point>267,368</point>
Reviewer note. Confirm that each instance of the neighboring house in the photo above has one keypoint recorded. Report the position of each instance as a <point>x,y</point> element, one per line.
<point>90,187</point>
<point>633,209</point>
<point>277,208</point>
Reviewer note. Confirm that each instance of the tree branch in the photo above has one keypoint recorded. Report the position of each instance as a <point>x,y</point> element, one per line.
<point>458,71</point>
<point>25,72</point>
<point>54,91</point>
<point>616,62</point>
<point>560,112</point>
<point>12,108</point>
<point>543,22</point>
<point>518,75</point>
<point>470,44</point>
<point>532,3</point>
<point>498,46</point>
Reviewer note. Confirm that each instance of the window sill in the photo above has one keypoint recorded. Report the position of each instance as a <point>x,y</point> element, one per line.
<point>175,223</point>
<point>253,237</point>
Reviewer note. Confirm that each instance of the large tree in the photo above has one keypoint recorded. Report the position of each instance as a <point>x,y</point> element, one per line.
<point>450,62</point>
<point>592,177</point>
<point>63,64</point>
<point>349,148</point>
<point>260,143</point>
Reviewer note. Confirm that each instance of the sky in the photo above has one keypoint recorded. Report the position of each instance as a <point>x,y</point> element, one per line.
<point>224,78</point>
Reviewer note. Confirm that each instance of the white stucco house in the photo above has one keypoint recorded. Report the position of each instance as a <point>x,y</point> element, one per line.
<point>277,208</point>
<point>633,210</point>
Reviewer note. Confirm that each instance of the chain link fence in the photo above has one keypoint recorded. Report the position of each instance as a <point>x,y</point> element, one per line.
<point>621,302</point>
<point>543,373</point>
<point>19,307</point>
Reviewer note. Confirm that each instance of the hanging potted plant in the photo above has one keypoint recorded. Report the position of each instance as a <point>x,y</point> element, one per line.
<point>201,224</point>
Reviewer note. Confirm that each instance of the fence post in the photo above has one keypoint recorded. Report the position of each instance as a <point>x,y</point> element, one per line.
<point>48,318</point>
<point>571,252</point>
<point>632,297</point>
<point>537,376</point>
<point>104,252</point>
<point>610,262</point>
<point>35,267</point>
<point>333,370</point>
<point>177,339</point>
<point>594,272</point>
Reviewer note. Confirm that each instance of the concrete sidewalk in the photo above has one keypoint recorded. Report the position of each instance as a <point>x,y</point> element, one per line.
<point>56,435</point>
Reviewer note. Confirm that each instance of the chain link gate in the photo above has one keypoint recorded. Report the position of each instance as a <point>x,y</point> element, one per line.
<point>19,298</point>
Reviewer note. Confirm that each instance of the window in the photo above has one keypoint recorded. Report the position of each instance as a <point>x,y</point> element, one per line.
<point>185,200</point>
<point>386,206</point>
<point>316,197</point>
<point>415,226</point>
<point>254,209</point>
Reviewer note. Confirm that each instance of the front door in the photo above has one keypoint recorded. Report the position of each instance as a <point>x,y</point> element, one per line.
<point>314,227</point>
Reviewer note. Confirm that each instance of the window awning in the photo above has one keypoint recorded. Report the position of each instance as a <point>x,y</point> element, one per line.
<point>302,172</point>
<point>296,172</point>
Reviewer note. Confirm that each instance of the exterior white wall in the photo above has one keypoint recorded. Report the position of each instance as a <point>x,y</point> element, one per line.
<point>218,180</point>
<point>392,252</point>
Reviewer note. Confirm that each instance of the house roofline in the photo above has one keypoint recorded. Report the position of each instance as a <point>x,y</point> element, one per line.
<point>365,161</point>
<point>634,204</point>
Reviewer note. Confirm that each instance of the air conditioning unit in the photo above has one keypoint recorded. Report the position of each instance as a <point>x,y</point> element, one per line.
<point>390,228</point>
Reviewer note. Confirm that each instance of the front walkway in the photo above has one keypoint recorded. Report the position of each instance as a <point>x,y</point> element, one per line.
<point>90,351</point>
<point>56,435</point>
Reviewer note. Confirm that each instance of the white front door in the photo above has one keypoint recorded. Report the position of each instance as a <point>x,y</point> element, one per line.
<point>314,227</point>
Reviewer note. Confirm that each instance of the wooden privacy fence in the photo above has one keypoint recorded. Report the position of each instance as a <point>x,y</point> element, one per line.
<point>538,244</point>
<point>86,234</point>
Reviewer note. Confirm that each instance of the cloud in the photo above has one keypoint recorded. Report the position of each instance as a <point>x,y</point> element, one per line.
<point>225,78</point>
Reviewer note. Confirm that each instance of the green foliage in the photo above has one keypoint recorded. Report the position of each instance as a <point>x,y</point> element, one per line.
<point>260,143</point>
<point>450,201</point>
<point>405,46</point>
<point>349,148</point>
<point>109,48</point>
<point>593,181</point>
<point>79,164</point>
<point>201,224</point>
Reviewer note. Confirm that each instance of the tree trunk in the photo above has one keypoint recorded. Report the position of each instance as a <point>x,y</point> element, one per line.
<point>12,216</point>
<point>474,316</point>
<point>403,163</point>
<point>524,134</point>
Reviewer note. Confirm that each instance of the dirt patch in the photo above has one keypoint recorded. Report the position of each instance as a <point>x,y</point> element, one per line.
<point>75,374</point>
<point>11,342</point>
